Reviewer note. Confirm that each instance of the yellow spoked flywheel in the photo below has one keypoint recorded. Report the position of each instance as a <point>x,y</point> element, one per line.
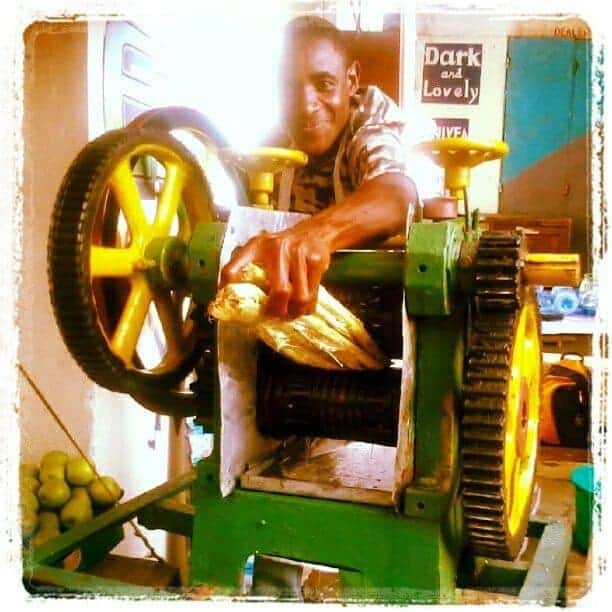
<point>499,427</point>
<point>231,182</point>
<point>117,258</point>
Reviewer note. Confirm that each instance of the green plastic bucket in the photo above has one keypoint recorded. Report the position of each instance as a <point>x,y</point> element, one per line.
<point>583,480</point>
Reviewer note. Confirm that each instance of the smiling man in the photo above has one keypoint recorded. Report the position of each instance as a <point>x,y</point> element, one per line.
<point>356,184</point>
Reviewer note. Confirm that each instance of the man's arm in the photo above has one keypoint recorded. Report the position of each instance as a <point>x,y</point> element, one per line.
<point>296,259</point>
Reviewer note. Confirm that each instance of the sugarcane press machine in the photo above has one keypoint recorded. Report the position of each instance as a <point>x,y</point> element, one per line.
<point>451,437</point>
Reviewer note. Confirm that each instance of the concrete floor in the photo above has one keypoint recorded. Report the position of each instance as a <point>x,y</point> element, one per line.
<point>557,501</point>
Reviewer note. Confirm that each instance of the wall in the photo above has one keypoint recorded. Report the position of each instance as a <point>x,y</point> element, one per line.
<point>55,128</point>
<point>379,56</point>
<point>131,444</point>
<point>547,125</point>
<point>441,32</point>
<point>486,117</point>
<point>63,110</point>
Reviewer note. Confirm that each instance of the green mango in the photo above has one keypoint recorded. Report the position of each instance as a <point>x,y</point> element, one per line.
<point>53,493</point>
<point>104,491</point>
<point>43,535</point>
<point>29,500</point>
<point>80,492</point>
<point>79,471</point>
<point>29,483</point>
<point>54,457</point>
<point>29,522</point>
<point>51,471</point>
<point>49,520</point>
<point>28,469</point>
<point>78,510</point>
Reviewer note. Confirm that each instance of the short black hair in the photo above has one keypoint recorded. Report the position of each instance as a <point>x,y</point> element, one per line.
<point>312,26</point>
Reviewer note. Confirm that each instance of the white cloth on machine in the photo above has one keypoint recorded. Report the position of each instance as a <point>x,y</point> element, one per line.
<point>241,443</point>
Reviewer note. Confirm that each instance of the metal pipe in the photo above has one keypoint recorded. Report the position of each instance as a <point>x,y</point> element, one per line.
<point>387,268</point>
<point>177,546</point>
<point>552,269</point>
<point>367,266</point>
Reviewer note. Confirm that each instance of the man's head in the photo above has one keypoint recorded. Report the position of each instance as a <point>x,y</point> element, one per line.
<point>319,77</point>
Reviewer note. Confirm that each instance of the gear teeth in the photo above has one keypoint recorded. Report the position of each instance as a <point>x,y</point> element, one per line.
<point>492,518</point>
<point>492,538</point>
<point>492,361</point>
<point>485,389</point>
<point>481,505</point>
<point>498,266</point>
<point>484,526</point>
<point>482,480</point>
<point>483,494</point>
<point>479,462</point>
<point>471,433</point>
<point>497,278</point>
<point>497,300</point>
<point>488,374</point>
<point>497,263</point>
<point>486,418</point>
<point>488,405</point>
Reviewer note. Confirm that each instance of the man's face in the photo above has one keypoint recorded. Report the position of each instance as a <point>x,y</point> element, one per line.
<point>316,89</point>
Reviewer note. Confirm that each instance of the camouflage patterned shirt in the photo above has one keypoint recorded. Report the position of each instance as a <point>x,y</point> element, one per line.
<point>372,144</point>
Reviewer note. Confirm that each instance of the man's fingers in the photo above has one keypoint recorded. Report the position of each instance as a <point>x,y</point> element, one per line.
<point>294,269</point>
<point>280,285</point>
<point>241,256</point>
<point>301,297</point>
<point>317,268</point>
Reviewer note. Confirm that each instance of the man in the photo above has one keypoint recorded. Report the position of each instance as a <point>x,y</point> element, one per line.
<point>355,184</point>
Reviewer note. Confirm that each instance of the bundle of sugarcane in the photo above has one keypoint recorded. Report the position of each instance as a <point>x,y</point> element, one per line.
<point>332,337</point>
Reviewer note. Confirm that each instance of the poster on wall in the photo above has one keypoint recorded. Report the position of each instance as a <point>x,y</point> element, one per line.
<point>451,127</point>
<point>451,73</point>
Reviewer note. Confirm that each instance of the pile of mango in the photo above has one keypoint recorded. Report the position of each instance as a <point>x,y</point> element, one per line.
<point>61,492</point>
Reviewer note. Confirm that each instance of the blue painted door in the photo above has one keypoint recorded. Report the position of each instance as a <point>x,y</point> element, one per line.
<point>546,124</point>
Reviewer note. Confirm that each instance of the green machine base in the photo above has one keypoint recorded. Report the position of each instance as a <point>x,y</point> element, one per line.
<point>409,555</point>
<point>382,556</point>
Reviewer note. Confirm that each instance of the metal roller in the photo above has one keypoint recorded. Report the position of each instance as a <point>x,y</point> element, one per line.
<point>304,401</point>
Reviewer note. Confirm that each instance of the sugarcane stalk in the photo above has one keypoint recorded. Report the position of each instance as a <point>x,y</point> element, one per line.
<point>330,338</point>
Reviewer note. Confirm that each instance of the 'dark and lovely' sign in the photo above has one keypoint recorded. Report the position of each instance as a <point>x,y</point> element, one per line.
<point>451,73</point>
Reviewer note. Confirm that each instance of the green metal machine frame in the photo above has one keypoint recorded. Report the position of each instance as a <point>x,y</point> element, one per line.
<point>384,556</point>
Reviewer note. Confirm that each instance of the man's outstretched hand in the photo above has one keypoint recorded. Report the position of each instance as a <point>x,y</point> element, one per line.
<point>294,261</point>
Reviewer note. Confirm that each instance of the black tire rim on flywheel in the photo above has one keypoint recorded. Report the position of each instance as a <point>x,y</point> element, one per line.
<point>101,295</point>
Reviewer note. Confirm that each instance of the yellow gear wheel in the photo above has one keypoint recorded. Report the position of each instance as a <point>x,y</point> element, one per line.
<point>499,426</point>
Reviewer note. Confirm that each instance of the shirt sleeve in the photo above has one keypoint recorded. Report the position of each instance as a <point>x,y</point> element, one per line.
<point>375,149</point>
